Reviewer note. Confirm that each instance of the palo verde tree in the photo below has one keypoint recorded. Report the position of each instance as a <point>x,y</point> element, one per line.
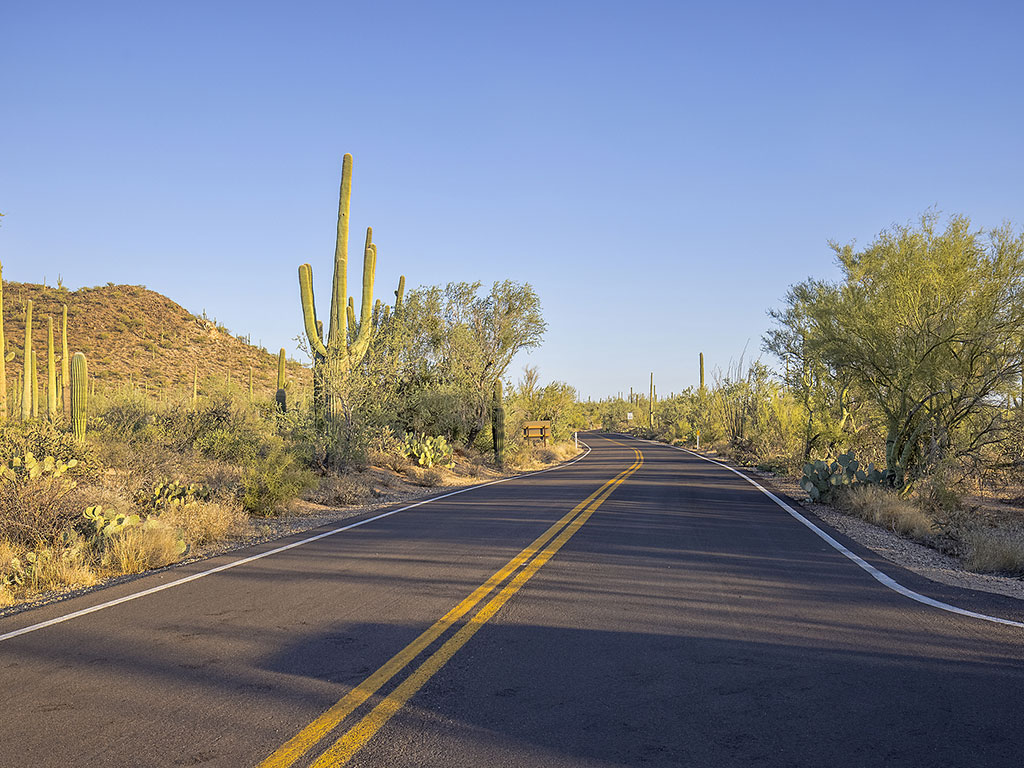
<point>462,342</point>
<point>926,324</point>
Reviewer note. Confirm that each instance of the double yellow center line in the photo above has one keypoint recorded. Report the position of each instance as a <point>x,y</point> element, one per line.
<point>527,563</point>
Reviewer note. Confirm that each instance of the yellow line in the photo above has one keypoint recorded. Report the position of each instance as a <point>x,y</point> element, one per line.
<point>356,737</point>
<point>299,744</point>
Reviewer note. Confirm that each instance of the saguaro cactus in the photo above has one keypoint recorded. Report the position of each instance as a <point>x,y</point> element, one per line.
<point>335,357</point>
<point>498,424</point>
<point>400,295</point>
<point>702,373</point>
<point>51,373</point>
<point>79,395</point>
<point>35,385</point>
<point>26,386</point>
<point>5,356</point>
<point>282,382</point>
<point>65,361</point>
<point>650,403</point>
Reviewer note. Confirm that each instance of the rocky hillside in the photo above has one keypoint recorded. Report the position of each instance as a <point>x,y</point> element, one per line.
<point>133,335</point>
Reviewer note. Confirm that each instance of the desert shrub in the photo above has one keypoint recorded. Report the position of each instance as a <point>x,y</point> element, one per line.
<point>204,522</point>
<point>426,477</point>
<point>230,444</point>
<point>385,449</point>
<point>342,491</point>
<point>37,502</point>
<point>270,483</point>
<point>126,415</point>
<point>40,438</point>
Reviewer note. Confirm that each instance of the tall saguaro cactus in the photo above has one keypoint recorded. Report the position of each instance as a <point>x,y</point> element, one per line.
<point>335,357</point>
<point>26,388</point>
<point>79,395</point>
<point>3,353</point>
<point>498,425</point>
<point>650,403</point>
<point>702,373</point>
<point>65,361</point>
<point>51,373</point>
<point>282,382</point>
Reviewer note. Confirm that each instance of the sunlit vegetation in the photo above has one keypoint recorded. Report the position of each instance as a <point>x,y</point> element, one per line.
<point>912,360</point>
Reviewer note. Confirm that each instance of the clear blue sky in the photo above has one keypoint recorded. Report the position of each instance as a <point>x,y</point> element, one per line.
<point>660,172</point>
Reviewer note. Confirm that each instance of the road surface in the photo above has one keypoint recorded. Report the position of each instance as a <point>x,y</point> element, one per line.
<point>640,607</point>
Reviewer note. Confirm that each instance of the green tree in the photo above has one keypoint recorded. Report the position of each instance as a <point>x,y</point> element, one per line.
<point>927,325</point>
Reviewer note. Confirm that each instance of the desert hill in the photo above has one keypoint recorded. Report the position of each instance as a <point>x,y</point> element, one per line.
<point>133,335</point>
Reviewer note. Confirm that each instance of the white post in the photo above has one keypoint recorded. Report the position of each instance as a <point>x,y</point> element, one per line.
<point>576,439</point>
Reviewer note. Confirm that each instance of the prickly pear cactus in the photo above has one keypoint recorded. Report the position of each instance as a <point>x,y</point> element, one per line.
<point>820,478</point>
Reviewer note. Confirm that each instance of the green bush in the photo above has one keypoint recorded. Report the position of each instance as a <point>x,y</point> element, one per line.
<point>270,483</point>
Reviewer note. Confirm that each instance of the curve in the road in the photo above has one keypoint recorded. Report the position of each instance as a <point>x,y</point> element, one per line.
<point>882,578</point>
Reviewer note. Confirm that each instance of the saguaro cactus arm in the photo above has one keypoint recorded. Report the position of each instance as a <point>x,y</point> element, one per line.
<point>313,327</point>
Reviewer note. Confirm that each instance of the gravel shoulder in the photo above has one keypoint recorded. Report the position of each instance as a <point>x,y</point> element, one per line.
<point>387,488</point>
<point>915,557</point>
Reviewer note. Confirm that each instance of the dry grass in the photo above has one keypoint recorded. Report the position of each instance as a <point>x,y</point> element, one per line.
<point>887,510</point>
<point>428,478</point>
<point>994,551</point>
<point>142,548</point>
<point>73,565</point>
<point>530,457</point>
<point>206,522</point>
<point>342,491</point>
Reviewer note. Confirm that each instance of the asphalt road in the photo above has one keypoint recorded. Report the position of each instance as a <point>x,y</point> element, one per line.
<point>639,607</point>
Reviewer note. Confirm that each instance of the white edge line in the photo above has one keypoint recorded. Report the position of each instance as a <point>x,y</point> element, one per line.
<point>879,576</point>
<point>268,553</point>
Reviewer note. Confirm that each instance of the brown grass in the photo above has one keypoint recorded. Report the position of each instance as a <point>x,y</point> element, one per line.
<point>205,522</point>
<point>342,491</point>
<point>994,551</point>
<point>886,510</point>
<point>142,548</point>
<point>426,477</point>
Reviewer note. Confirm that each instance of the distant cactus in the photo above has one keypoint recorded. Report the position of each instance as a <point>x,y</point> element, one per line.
<point>51,373</point>
<point>334,357</point>
<point>35,386</point>
<point>79,395</point>
<point>282,382</point>
<point>650,403</point>
<point>702,373</point>
<point>498,425</point>
<point>400,295</point>
<point>5,357</point>
<point>26,385</point>
<point>65,361</point>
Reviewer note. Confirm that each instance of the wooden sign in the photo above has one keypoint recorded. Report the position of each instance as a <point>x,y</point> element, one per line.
<point>537,430</point>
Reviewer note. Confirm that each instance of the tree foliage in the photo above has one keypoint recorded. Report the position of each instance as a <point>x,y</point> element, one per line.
<point>925,325</point>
